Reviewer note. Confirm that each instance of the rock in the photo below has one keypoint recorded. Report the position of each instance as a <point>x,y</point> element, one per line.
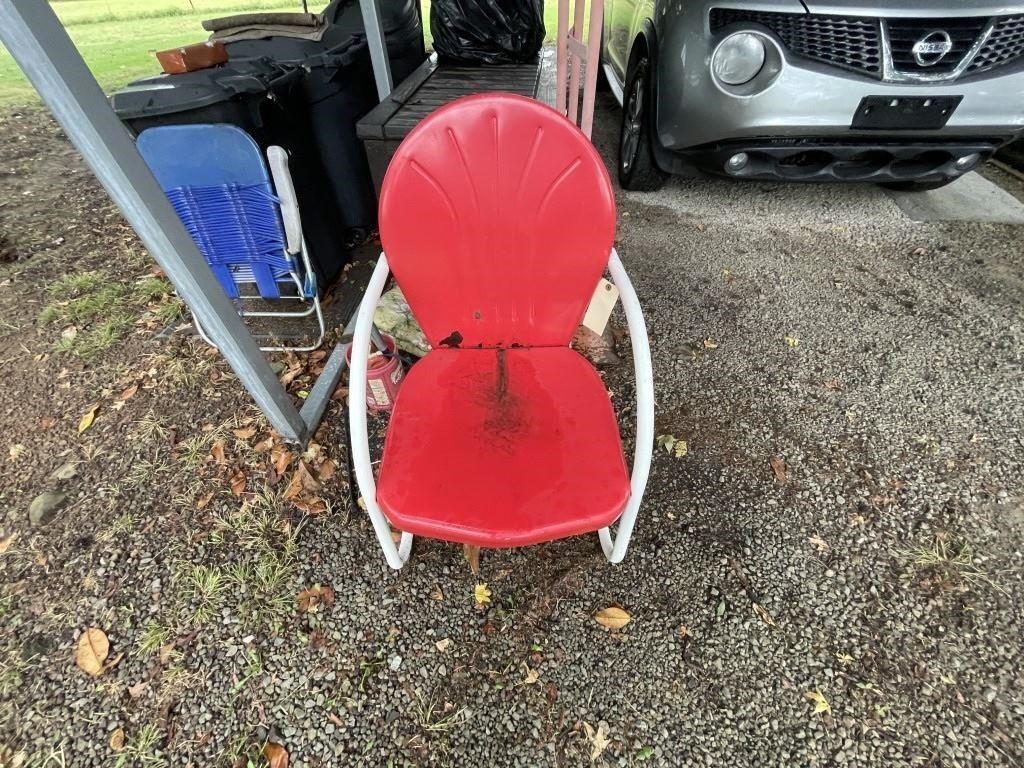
<point>599,350</point>
<point>65,471</point>
<point>45,506</point>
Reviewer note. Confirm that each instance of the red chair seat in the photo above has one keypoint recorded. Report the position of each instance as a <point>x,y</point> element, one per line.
<point>502,448</point>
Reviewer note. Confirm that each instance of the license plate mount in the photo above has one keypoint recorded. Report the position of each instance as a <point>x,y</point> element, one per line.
<point>904,113</point>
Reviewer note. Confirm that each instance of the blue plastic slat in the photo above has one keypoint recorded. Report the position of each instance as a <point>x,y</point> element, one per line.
<point>216,178</point>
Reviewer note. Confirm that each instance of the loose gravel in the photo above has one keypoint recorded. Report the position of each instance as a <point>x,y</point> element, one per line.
<point>843,534</point>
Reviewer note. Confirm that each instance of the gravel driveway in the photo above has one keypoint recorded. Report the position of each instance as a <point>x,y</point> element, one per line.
<point>829,574</point>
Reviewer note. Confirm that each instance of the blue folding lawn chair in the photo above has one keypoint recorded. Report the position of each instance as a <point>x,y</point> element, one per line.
<point>249,230</point>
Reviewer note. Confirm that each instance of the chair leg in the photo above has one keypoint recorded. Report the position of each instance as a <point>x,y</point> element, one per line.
<point>314,309</point>
<point>361,464</point>
<point>615,549</point>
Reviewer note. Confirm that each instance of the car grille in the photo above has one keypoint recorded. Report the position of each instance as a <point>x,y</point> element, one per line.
<point>849,42</point>
<point>903,33</point>
<point>854,43</point>
<point>1006,44</point>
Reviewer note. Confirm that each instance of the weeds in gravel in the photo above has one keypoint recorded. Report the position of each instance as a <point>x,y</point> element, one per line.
<point>193,452</point>
<point>96,310</point>
<point>143,750</point>
<point>949,563</point>
<point>434,716</point>
<point>146,471</point>
<point>151,427</point>
<point>203,589</point>
<point>175,680</point>
<point>151,289</point>
<point>153,637</point>
<point>179,368</point>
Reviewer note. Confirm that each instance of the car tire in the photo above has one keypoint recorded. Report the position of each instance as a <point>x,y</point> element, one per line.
<point>637,168</point>
<point>915,186</point>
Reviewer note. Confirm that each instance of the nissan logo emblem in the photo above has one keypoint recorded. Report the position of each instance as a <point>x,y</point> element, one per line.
<point>932,48</point>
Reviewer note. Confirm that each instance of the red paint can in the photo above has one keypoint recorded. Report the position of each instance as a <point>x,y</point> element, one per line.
<point>384,373</point>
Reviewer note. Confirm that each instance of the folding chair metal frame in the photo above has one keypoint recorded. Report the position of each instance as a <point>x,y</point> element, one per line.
<point>614,547</point>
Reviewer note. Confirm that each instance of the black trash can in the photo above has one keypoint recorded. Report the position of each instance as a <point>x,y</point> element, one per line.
<point>264,99</point>
<point>338,88</point>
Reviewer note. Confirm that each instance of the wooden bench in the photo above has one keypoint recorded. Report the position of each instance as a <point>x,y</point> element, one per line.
<point>434,84</point>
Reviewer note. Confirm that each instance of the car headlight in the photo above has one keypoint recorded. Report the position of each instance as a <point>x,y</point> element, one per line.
<point>738,58</point>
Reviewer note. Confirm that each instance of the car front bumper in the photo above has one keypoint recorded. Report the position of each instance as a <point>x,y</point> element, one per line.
<point>799,126</point>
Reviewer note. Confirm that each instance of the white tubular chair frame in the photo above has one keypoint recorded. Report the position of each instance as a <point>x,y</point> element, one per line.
<point>395,555</point>
<point>295,245</point>
<point>644,450</point>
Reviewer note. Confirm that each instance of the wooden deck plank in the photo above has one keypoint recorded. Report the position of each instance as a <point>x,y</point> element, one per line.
<point>435,84</point>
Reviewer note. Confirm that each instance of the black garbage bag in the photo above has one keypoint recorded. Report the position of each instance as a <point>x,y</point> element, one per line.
<point>487,31</point>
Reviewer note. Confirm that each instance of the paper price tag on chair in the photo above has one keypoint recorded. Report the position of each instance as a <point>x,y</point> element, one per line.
<point>601,305</point>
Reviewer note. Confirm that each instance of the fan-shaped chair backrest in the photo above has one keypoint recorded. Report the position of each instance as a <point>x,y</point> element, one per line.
<point>497,217</point>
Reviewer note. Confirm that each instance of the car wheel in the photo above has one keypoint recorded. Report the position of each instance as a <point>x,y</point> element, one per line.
<point>637,169</point>
<point>915,186</point>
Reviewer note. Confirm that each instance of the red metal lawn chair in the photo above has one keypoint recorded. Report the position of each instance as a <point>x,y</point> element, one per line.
<point>497,217</point>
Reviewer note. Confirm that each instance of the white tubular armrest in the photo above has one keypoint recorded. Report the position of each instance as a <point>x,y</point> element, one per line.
<point>616,550</point>
<point>285,189</point>
<point>396,556</point>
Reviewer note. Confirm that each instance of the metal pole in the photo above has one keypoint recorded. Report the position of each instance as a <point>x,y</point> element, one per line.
<point>378,46</point>
<point>43,50</point>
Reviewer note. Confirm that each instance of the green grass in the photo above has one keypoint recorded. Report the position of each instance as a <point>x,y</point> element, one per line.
<point>117,38</point>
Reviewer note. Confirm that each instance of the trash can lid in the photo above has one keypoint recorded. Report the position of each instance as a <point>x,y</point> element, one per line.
<point>167,94</point>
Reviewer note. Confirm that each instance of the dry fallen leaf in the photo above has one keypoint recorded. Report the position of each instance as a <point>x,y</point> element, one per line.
<point>674,445</point>
<point>93,649</point>
<point>276,755</point>
<point>88,419</point>
<point>778,467</point>
<point>599,740</point>
<point>832,384</point>
<point>311,599</point>
<point>821,704</point>
<point>264,445</point>
<point>612,617</point>
<point>532,676</point>
<point>203,501</point>
<point>481,594</point>
<point>444,645</point>
<point>245,433</point>
<point>302,482</point>
<point>326,470</point>
<point>138,690</point>
<point>217,451</point>
<point>117,740</point>
<point>436,593</point>
<point>472,557</point>
<point>165,652</point>
<point>16,451</point>
<point>6,543</point>
<point>763,614</point>
<point>237,482</point>
<point>710,344</point>
<point>819,542</point>
<point>129,393</point>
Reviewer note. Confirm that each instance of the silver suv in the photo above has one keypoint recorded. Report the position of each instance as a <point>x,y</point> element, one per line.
<point>911,95</point>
